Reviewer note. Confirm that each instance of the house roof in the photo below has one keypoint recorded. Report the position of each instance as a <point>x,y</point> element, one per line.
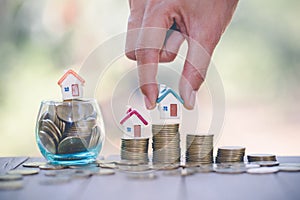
<point>165,92</point>
<point>70,71</point>
<point>129,113</point>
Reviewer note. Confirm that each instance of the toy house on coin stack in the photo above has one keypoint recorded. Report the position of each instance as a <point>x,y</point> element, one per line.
<point>169,103</point>
<point>71,85</point>
<point>133,123</point>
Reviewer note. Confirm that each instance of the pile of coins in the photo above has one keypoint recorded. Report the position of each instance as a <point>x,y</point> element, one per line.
<point>199,149</point>
<point>135,149</point>
<point>69,127</point>
<point>261,157</point>
<point>230,154</point>
<point>166,144</point>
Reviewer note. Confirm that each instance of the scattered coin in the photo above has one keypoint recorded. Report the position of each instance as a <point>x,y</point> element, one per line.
<point>11,185</point>
<point>103,172</point>
<point>10,177</point>
<point>33,164</point>
<point>263,170</point>
<point>24,171</point>
<point>52,167</point>
<point>108,165</point>
<point>289,168</point>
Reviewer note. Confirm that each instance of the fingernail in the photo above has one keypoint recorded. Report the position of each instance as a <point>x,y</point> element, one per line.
<point>189,98</point>
<point>148,103</point>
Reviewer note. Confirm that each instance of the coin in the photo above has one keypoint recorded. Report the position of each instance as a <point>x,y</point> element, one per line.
<point>24,171</point>
<point>81,174</point>
<point>134,149</point>
<point>52,167</point>
<point>230,170</point>
<point>103,172</point>
<point>10,177</point>
<point>47,141</point>
<point>108,165</point>
<point>142,176</point>
<point>72,144</point>
<point>33,164</point>
<point>165,166</point>
<point>267,163</point>
<point>230,154</point>
<point>289,168</point>
<point>261,157</point>
<point>11,185</point>
<point>263,170</point>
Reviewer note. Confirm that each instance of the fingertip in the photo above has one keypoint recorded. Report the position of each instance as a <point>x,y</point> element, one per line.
<point>151,92</point>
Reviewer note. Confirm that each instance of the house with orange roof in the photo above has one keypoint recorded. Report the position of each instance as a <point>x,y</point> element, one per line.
<point>71,85</point>
<point>133,123</point>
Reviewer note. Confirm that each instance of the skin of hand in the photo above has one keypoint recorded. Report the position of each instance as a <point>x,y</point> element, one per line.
<point>200,22</point>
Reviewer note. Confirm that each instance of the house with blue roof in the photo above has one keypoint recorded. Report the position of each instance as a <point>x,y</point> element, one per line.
<point>169,103</point>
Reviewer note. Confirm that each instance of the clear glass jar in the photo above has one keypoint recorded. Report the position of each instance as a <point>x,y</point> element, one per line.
<point>70,132</point>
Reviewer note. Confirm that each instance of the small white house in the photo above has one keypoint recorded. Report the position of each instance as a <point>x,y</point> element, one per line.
<point>71,85</point>
<point>133,123</point>
<point>169,103</point>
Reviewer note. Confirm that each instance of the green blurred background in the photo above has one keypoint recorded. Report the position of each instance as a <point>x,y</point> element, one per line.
<point>258,60</point>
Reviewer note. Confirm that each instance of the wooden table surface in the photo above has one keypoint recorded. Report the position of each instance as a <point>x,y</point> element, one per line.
<point>282,185</point>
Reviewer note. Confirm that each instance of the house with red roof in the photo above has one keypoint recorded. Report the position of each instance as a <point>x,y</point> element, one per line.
<point>133,123</point>
<point>71,85</point>
<point>169,103</point>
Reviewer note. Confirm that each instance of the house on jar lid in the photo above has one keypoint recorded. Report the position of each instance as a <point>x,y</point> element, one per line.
<point>133,123</point>
<point>71,85</point>
<point>169,103</point>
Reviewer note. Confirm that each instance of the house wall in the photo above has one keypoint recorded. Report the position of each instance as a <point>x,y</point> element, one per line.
<point>169,99</point>
<point>67,83</point>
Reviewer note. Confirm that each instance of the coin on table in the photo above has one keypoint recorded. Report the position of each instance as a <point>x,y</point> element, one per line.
<point>142,176</point>
<point>72,144</point>
<point>10,177</point>
<point>267,163</point>
<point>263,170</point>
<point>33,164</point>
<point>108,165</point>
<point>87,166</point>
<point>230,170</point>
<point>103,172</point>
<point>52,167</point>
<point>11,185</point>
<point>289,168</point>
<point>24,171</point>
<point>81,174</point>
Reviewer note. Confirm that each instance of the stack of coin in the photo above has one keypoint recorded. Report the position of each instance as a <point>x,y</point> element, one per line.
<point>135,149</point>
<point>69,128</point>
<point>199,149</point>
<point>166,144</point>
<point>261,157</point>
<point>230,154</point>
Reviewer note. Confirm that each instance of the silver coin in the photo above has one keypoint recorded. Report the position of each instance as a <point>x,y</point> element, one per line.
<point>289,168</point>
<point>47,141</point>
<point>263,170</point>
<point>10,177</point>
<point>11,185</point>
<point>108,165</point>
<point>103,172</point>
<point>24,172</point>
<point>52,167</point>
<point>72,144</point>
<point>33,164</point>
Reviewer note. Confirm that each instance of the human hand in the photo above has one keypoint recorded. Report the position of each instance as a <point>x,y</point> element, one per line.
<point>201,23</point>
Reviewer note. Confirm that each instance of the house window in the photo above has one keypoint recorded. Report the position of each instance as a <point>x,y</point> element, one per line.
<point>128,129</point>
<point>75,90</point>
<point>165,108</point>
<point>66,89</point>
<point>173,110</point>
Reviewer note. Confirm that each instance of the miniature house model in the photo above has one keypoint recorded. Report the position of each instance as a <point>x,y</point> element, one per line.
<point>169,103</point>
<point>133,123</point>
<point>71,85</point>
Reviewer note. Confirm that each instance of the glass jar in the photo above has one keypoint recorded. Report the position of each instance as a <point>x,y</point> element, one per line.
<point>70,132</point>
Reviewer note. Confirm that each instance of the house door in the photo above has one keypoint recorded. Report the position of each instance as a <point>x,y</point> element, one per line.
<point>137,131</point>
<point>75,90</point>
<point>173,110</point>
